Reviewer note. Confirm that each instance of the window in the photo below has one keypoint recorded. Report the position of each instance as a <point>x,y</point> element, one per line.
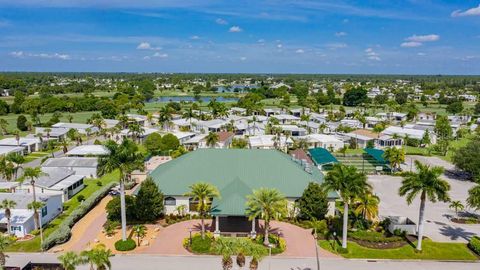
<point>170,201</point>
<point>44,211</point>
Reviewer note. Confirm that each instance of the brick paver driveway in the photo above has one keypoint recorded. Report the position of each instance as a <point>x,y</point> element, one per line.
<point>300,242</point>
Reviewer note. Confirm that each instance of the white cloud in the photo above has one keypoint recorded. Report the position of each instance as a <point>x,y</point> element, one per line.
<point>18,54</point>
<point>340,34</point>
<point>300,51</point>
<point>345,21</point>
<point>424,38</point>
<point>194,37</point>
<point>469,12</point>
<point>279,46</point>
<point>147,46</point>
<point>243,58</point>
<point>221,21</point>
<point>411,44</point>
<point>421,54</point>
<point>334,46</point>
<point>372,55</point>
<point>61,56</point>
<point>160,55</point>
<point>235,29</point>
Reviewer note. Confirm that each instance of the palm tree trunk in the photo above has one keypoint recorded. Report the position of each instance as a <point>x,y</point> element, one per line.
<point>122,209</point>
<point>266,240</point>
<point>8,225</point>
<point>202,222</point>
<point>345,225</point>
<point>35,213</point>
<point>421,221</point>
<point>2,260</point>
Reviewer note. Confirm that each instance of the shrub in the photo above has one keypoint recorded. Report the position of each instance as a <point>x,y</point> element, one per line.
<point>474,244</point>
<point>149,202</point>
<point>200,245</point>
<point>374,237</point>
<point>99,183</point>
<point>62,234</point>
<point>313,203</point>
<point>113,208</point>
<point>35,232</point>
<point>80,198</point>
<point>126,245</point>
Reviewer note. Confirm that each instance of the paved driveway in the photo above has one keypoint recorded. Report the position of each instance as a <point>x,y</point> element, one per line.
<point>300,242</point>
<point>438,226</point>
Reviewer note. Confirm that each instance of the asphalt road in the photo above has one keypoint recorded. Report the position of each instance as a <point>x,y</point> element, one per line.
<point>154,262</point>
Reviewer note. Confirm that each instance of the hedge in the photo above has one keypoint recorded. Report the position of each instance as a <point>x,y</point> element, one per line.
<point>474,244</point>
<point>62,234</point>
<point>374,237</point>
<point>126,245</point>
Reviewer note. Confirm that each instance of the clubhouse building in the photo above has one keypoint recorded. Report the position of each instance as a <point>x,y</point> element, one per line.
<point>235,173</point>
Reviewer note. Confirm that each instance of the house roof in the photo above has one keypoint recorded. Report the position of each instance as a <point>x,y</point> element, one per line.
<point>52,176</point>
<point>224,135</point>
<point>322,156</point>
<point>71,162</point>
<point>232,170</point>
<point>88,150</point>
<point>377,154</point>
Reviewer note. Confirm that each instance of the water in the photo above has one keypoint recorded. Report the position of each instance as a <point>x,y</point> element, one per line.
<point>235,88</point>
<point>192,99</point>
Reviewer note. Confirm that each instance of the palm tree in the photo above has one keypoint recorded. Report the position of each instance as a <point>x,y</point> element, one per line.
<point>457,206</point>
<point>189,114</point>
<point>165,116</point>
<point>8,205</point>
<point>135,130</point>
<point>125,158</point>
<point>17,160</point>
<point>367,206</point>
<point>203,193</point>
<point>426,182</point>
<point>98,256</point>
<point>33,174</point>
<point>211,139</point>
<point>473,199</point>
<point>395,156</point>
<point>350,184</point>
<point>70,260</point>
<point>4,243</point>
<point>35,206</point>
<point>267,204</point>
<point>140,232</point>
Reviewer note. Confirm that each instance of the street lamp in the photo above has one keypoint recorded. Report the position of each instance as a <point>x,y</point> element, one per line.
<point>270,256</point>
<point>334,241</point>
<point>315,236</point>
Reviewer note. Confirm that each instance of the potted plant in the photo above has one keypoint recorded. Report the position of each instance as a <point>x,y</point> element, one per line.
<point>227,262</point>
<point>254,263</point>
<point>240,259</point>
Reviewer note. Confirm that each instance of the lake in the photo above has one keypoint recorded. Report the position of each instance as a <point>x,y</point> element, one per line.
<point>191,99</point>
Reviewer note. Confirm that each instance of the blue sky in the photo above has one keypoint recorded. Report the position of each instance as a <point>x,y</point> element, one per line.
<point>289,36</point>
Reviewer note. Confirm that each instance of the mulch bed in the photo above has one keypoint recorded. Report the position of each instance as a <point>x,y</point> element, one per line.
<point>465,221</point>
<point>385,245</point>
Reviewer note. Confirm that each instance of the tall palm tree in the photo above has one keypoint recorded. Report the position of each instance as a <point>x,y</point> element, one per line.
<point>203,193</point>
<point>211,139</point>
<point>267,204</point>
<point>395,156</point>
<point>367,206</point>
<point>125,158</point>
<point>17,160</point>
<point>426,182</point>
<point>35,206</point>
<point>8,205</point>
<point>350,184</point>
<point>189,114</point>
<point>70,260</point>
<point>98,256</point>
<point>4,243</point>
<point>135,130</point>
<point>33,174</point>
<point>165,116</point>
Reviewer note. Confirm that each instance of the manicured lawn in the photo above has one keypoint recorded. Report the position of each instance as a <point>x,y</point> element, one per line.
<point>35,155</point>
<point>455,144</point>
<point>410,150</point>
<point>431,251</point>
<point>90,187</point>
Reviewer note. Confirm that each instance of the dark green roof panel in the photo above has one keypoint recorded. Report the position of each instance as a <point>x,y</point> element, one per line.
<point>322,156</point>
<point>377,154</point>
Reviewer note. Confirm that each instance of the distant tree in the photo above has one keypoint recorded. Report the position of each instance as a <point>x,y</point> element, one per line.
<point>169,142</point>
<point>153,143</point>
<point>477,108</point>
<point>395,156</point>
<point>4,108</point>
<point>313,204</point>
<point>211,139</point>
<point>70,260</point>
<point>22,123</point>
<point>457,206</point>
<point>426,138</point>
<point>5,242</point>
<point>467,158</point>
<point>149,202</point>
<point>401,97</point>
<point>455,107</point>
<point>355,97</point>
<point>239,143</point>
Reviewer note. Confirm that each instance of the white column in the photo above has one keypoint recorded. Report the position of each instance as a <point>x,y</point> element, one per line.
<point>217,226</point>
<point>253,233</point>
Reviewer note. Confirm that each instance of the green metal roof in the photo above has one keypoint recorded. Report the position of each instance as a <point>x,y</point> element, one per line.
<point>322,156</point>
<point>377,154</point>
<point>235,172</point>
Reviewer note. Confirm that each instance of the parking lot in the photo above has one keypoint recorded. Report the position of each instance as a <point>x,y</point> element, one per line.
<point>438,227</point>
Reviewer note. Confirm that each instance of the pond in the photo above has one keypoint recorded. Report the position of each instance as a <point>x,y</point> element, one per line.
<point>191,99</point>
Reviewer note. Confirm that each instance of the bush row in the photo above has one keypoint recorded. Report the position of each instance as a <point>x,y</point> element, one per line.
<point>474,244</point>
<point>62,234</point>
<point>374,237</point>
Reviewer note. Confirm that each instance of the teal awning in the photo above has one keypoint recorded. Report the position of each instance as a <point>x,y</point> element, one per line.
<point>377,154</point>
<point>322,156</point>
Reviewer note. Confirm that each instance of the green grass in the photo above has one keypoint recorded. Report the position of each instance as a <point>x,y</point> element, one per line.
<point>35,155</point>
<point>431,251</point>
<point>454,145</point>
<point>90,187</point>
<point>410,150</point>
